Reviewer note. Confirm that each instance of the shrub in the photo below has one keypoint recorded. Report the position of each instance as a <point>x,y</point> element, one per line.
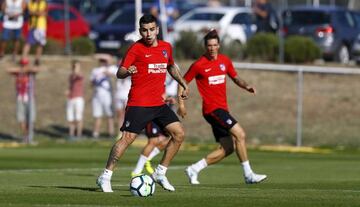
<point>10,46</point>
<point>52,47</point>
<point>235,50</point>
<point>263,46</point>
<point>188,46</point>
<point>82,46</point>
<point>299,49</point>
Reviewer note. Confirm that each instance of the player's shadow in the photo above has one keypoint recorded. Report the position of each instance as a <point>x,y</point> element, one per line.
<point>59,131</point>
<point>88,189</point>
<point>91,189</point>
<point>4,136</point>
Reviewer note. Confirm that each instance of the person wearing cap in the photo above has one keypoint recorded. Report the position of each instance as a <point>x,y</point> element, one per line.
<point>102,100</point>
<point>22,76</point>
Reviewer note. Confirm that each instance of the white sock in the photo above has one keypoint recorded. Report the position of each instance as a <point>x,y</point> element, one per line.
<point>153,153</point>
<point>201,164</point>
<point>160,169</point>
<point>140,164</point>
<point>246,167</point>
<point>107,173</point>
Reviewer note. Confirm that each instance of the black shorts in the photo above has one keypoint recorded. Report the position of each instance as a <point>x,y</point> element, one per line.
<point>137,117</point>
<point>221,122</point>
<point>152,130</point>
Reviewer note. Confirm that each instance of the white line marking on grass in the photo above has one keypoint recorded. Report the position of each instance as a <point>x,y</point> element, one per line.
<point>175,167</point>
<point>241,187</point>
<point>71,205</point>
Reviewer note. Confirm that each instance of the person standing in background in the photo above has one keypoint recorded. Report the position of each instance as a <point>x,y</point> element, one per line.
<point>13,22</point>
<point>75,101</point>
<point>171,14</point>
<point>37,24</point>
<point>121,98</point>
<point>25,99</point>
<point>266,20</point>
<point>102,100</point>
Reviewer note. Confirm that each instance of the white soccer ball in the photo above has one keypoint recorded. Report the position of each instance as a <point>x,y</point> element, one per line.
<point>142,185</point>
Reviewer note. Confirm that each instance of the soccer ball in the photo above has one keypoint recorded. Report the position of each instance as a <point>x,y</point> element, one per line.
<point>142,185</point>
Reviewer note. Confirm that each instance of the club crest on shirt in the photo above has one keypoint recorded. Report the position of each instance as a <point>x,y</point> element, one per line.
<point>222,67</point>
<point>164,52</point>
<point>127,123</point>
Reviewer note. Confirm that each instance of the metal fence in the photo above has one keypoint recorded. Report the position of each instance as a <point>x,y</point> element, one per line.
<point>300,70</point>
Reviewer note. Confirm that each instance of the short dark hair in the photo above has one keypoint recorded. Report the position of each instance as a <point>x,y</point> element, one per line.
<point>212,34</point>
<point>147,18</point>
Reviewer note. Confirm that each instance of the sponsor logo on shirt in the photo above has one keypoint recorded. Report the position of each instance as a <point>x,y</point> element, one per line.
<point>217,79</point>
<point>157,68</point>
<point>222,67</point>
<point>207,70</point>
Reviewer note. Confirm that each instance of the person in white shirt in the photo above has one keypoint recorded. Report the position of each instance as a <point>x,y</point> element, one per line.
<point>121,98</point>
<point>13,22</point>
<point>102,94</point>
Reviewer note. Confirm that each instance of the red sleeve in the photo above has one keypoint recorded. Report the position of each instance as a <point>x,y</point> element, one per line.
<point>129,57</point>
<point>191,73</point>
<point>171,59</point>
<point>231,70</point>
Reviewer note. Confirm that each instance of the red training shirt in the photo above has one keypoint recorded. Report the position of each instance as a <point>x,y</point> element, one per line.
<point>210,78</point>
<point>147,85</point>
<point>22,85</point>
<point>76,86</point>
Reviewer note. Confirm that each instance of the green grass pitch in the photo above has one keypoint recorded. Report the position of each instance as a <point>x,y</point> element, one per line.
<point>64,175</point>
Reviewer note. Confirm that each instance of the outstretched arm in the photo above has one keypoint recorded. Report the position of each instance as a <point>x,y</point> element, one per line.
<point>175,73</point>
<point>242,84</point>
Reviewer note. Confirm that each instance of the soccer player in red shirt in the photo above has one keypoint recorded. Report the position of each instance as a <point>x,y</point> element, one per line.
<point>210,72</point>
<point>147,62</point>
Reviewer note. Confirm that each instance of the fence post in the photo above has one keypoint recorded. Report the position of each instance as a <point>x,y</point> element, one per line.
<point>67,27</point>
<point>300,90</point>
<point>30,115</point>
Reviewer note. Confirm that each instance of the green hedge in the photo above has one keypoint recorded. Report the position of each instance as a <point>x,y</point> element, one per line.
<point>188,46</point>
<point>263,47</point>
<point>52,47</point>
<point>235,50</point>
<point>299,49</point>
<point>82,46</point>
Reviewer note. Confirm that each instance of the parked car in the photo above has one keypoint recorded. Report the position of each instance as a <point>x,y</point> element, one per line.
<point>182,5</point>
<point>333,29</point>
<point>56,23</point>
<point>232,23</point>
<point>91,10</point>
<point>109,34</point>
<point>355,49</point>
